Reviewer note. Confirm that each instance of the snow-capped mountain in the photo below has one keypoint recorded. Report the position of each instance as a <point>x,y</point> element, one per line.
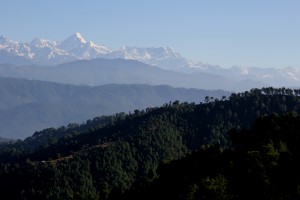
<point>163,57</point>
<point>75,47</point>
<point>277,77</point>
<point>73,42</point>
<point>44,52</point>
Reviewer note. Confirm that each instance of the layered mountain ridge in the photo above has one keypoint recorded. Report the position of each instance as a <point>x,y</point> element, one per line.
<point>101,71</point>
<point>45,52</point>
<point>27,106</point>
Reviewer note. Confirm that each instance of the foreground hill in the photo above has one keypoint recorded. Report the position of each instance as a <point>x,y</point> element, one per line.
<point>107,157</point>
<point>27,106</point>
<point>263,163</point>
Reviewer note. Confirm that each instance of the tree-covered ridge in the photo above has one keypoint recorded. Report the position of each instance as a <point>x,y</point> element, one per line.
<point>263,163</point>
<point>108,156</point>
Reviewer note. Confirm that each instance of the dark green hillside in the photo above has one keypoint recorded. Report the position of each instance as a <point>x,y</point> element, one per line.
<point>6,140</point>
<point>109,156</point>
<point>263,163</point>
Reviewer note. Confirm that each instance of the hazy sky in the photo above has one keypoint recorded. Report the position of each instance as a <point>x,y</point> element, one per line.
<point>262,33</point>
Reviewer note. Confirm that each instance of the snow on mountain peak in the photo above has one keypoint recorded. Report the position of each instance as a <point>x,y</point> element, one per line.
<point>143,54</point>
<point>79,37</point>
<point>9,45</point>
<point>91,43</point>
<point>291,73</point>
<point>43,51</point>
<point>73,42</point>
<point>4,40</point>
<point>39,42</point>
<point>168,49</point>
<point>244,70</point>
<point>75,47</point>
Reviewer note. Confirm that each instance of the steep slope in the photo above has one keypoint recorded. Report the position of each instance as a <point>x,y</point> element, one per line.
<point>77,46</point>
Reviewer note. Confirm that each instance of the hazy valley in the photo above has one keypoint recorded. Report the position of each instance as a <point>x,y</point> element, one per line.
<point>29,106</point>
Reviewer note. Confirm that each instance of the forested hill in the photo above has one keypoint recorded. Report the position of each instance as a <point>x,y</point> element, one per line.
<point>263,163</point>
<point>108,156</point>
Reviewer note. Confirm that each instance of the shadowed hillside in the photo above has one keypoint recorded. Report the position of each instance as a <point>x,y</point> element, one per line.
<point>121,155</point>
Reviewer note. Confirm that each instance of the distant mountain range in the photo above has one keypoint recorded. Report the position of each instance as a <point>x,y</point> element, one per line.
<point>281,77</point>
<point>45,52</point>
<point>28,106</point>
<point>108,71</point>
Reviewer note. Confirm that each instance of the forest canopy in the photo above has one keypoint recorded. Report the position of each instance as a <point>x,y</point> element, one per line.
<point>229,148</point>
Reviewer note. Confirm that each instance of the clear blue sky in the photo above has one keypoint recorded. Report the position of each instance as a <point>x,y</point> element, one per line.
<point>262,33</point>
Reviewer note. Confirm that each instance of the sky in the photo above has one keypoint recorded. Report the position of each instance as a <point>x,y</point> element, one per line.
<point>218,32</point>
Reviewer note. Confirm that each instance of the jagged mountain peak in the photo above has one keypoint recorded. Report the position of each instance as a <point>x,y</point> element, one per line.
<point>40,42</point>
<point>77,36</point>
<point>140,53</point>
<point>75,41</point>
<point>5,40</point>
<point>77,47</point>
<point>161,49</point>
